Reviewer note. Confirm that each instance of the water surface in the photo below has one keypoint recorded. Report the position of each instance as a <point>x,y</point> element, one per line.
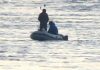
<point>78,19</point>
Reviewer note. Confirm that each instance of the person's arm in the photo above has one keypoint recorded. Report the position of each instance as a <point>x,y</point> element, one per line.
<point>48,17</point>
<point>39,17</point>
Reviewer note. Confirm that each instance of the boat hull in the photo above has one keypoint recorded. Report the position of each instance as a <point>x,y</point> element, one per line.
<point>40,35</point>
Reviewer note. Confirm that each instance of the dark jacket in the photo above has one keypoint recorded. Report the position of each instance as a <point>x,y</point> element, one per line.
<point>43,17</point>
<point>53,29</point>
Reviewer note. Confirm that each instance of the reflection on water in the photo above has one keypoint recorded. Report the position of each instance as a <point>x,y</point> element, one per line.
<point>79,19</point>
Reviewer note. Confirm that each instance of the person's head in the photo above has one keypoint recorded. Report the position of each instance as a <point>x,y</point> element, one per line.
<point>51,23</point>
<point>44,10</point>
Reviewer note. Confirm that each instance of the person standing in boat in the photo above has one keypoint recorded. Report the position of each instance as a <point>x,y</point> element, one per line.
<point>43,18</point>
<point>53,29</point>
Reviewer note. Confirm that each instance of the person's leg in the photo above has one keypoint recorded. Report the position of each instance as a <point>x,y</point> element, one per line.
<point>45,27</point>
<point>41,26</point>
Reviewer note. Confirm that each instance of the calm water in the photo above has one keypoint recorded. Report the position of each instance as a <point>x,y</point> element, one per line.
<point>79,19</point>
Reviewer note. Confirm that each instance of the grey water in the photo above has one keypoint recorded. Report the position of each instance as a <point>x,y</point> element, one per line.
<point>79,19</point>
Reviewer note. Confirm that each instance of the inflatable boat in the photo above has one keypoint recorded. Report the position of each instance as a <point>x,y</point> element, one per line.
<point>44,35</point>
